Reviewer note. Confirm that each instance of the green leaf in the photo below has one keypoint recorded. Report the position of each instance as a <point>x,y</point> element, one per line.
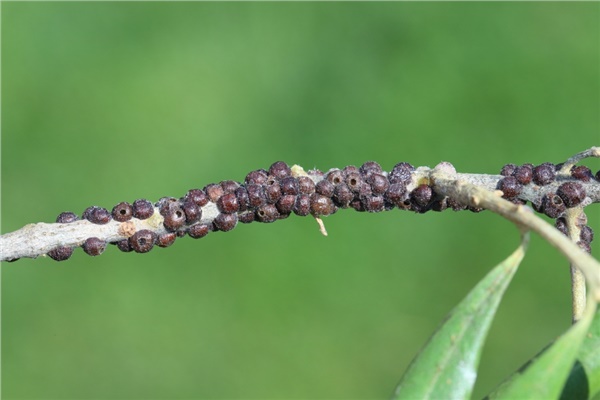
<point>446,368</point>
<point>546,375</point>
<point>584,379</point>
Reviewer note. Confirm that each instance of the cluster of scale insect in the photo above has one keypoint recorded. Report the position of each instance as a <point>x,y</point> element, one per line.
<point>568,194</point>
<point>268,195</point>
<point>265,195</point>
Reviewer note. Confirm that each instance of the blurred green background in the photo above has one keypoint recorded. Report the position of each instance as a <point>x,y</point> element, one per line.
<point>106,102</point>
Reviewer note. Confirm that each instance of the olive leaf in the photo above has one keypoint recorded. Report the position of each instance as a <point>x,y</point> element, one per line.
<point>446,368</point>
<point>545,376</point>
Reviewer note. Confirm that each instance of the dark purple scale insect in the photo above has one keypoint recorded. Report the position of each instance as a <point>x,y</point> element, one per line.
<point>524,174</point>
<point>228,203</point>
<point>572,193</point>
<point>321,205</point>
<point>142,241</point>
<point>544,174</point>
<point>510,187</point>
<point>142,209</point>
<point>94,246</point>
<point>267,213</point>
<point>325,188</point>
<point>61,253</point>
<point>198,196</point>
<point>582,173</point>
<point>280,170</point>
<point>97,215</point>
<point>306,185</point>
<point>508,170</point>
<point>335,176</point>
<point>214,191</point>
<point>166,239</point>
<point>199,231</point>
<point>302,205</point>
<point>122,212</point>
<point>66,217</point>
<point>225,222</point>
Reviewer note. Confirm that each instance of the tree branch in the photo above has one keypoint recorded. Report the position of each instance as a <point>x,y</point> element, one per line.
<point>455,190</point>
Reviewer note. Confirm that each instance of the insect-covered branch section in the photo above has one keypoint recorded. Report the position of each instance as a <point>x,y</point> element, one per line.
<point>273,194</point>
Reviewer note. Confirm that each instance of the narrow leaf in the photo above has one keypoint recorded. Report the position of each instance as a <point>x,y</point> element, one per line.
<point>584,378</point>
<point>545,376</point>
<point>446,368</point>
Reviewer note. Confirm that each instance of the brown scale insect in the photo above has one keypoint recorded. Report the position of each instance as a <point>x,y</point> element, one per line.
<point>122,212</point>
<point>94,246</point>
<point>142,241</point>
<point>142,209</point>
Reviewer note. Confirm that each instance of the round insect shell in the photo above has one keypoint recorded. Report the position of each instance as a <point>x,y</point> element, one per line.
<point>193,213</point>
<point>524,174</point>
<point>229,186</point>
<point>289,185</point>
<point>572,193</point>
<point>258,177</point>
<point>166,239</point>
<point>225,222</point>
<point>213,191</point>
<point>94,246</point>
<point>321,205</point>
<point>342,195</point>
<point>280,170</point>
<point>354,181</point>
<point>256,195</point>
<point>61,253</point>
<point>582,173</point>
<point>401,173</point>
<point>552,205</point>
<point>421,195</point>
<point>165,202</point>
<point>122,212</point>
<point>510,187</point>
<point>267,213</point>
<point>357,205</point>
<point>508,170</point>
<point>302,205</point>
<point>246,217</point>
<point>335,176</point>
<point>306,185</point>
<point>544,174</point>
<point>174,216</point>
<point>199,231</point>
<point>350,168</point>
<point>97,215</point>
<point>198,196</point>
<point>285,204</point>
<point>142,209</point>
<point>395,193</point>
<point>142,241</point>
<point>370,167</point>
<point>124,246</point>
<point>228,203</point>
<point>325,188</point>
<point>586,234</point>
<point>272,192</point>
<point>242,196</point>
<point>379,183</point>
<point>66,217</point>
<point>373,203</point>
